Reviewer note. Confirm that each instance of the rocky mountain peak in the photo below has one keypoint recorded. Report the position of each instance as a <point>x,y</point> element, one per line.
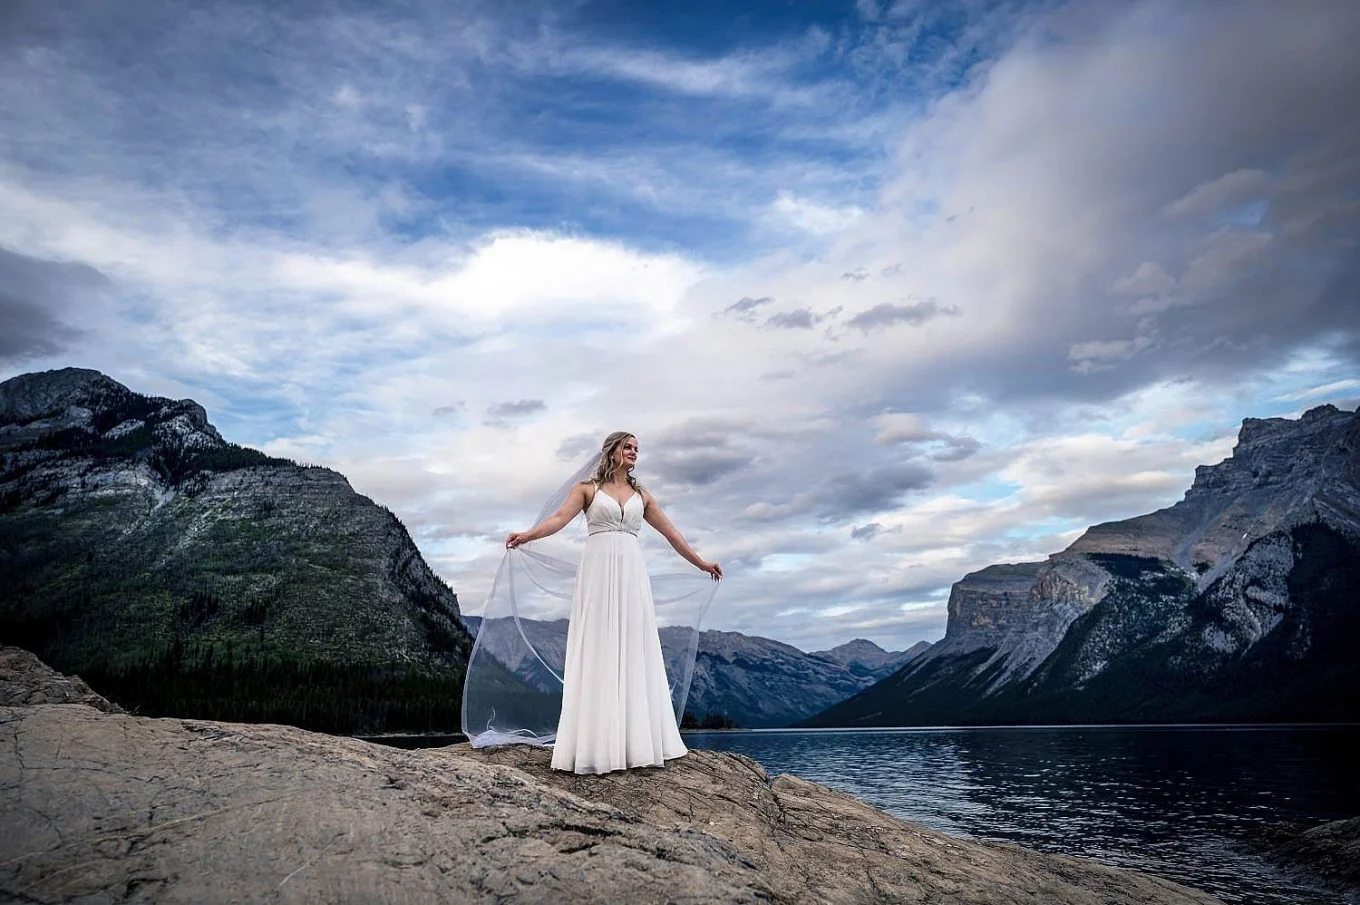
<point>1306,435</point>
<point>852,648</point>
<point>44,394</point>
<point>1236,603</point>
<point>1281,472</point>
<point>147,553</point>
<point>865,658</point>
<point>96,406</point>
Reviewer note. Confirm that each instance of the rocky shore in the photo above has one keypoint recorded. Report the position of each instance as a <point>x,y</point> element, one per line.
<point>1327,851</point>
<point>1331,849</point>
<point>103,806</point>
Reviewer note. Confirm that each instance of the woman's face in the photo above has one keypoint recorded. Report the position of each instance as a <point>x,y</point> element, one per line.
<point>626,453</point>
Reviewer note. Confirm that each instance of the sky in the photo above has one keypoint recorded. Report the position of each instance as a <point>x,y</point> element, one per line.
<point>888,291</point>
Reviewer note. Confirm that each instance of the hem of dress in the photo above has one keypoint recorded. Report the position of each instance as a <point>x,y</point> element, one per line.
<point>664,761</point>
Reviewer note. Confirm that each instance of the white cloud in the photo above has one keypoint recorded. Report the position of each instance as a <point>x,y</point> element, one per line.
<point>1208,197</point>
<point>1149,279</point>
<point>901,427</point>
<point>1032,248</point>
<point>811,217</point>
<point>1222,255</point>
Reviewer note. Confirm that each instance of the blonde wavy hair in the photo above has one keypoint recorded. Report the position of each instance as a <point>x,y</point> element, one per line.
<point>605,470</point>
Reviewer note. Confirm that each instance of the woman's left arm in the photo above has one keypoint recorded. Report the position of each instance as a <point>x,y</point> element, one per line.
<point>658,520</point>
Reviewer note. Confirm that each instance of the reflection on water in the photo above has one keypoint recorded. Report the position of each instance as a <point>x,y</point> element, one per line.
<point>1179,802</point>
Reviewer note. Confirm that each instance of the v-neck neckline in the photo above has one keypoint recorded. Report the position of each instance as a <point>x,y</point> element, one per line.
<point>600,489</point>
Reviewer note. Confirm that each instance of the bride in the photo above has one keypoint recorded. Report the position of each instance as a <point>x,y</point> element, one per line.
<point>616,702</point>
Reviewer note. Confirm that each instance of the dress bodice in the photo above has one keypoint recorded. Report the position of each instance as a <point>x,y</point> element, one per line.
<point>605,514</point>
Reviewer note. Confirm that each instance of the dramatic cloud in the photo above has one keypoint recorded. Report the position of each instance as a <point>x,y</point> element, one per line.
<point>38,299</point>
<point>888,315</point>
<point>452,410</point>
<point>856,493</point>
<point>502,413</point>
<point>889,292</point>
<point>866,532</point>
<point>28,331</point>
<point>745,308</point>
<point>699,467</point>
<point>800,319</point>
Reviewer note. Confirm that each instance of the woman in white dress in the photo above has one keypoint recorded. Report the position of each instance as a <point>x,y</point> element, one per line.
<point>616,702</point>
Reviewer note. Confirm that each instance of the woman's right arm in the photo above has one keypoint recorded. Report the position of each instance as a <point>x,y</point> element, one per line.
<point>570,508</point>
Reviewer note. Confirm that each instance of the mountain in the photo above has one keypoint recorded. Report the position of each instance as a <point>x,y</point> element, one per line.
<point>1240,602</point>
<point>184,575</point>
<point>549,638</point>
<point>865,658</point>
<point>754,682</point>
<point>759,683</point>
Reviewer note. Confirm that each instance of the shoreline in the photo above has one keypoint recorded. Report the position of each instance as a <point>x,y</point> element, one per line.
<point>203,811</point>
<point>379,737</point>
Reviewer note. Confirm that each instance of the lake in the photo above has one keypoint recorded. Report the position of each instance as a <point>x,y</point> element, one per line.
<point>1181,802</point>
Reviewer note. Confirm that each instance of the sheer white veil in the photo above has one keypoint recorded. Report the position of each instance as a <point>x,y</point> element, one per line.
<point>513,690</point>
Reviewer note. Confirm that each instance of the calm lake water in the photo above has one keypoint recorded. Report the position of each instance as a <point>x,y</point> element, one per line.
<point>1179,802</point>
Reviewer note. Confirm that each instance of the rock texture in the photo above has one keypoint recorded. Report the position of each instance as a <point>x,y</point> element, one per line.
<point>1330,850</point>
<point>25,681</point>
<point>1237,603</point>
<point>1282,473</point>
<point>180,573</point>
<point>106,807</point>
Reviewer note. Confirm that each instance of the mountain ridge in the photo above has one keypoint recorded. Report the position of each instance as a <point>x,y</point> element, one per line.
<point>1138,618</point>
<point>864,657</point>
<point>182,574</point>
<point>755,682</point>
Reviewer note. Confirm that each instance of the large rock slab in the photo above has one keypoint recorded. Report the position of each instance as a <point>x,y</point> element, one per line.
<point>817,845</point>
<point>25,680</point>
<point>109,807</point>
<point>1328,850</point>
<point>112,808</point>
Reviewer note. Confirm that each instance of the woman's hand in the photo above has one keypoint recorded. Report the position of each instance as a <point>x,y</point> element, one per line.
<point>516,538</point>
<point>713,569</point>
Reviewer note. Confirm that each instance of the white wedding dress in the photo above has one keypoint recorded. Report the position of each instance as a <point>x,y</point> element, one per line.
<point>617,709</point>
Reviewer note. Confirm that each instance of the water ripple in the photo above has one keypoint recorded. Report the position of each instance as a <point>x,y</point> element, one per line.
<point>1180,802</point>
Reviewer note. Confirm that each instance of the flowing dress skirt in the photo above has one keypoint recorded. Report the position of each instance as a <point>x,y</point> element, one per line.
<point>616,699</point>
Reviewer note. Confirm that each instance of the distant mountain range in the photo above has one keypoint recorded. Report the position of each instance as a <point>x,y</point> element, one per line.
<point>1241,602</point>
<point>760,683</point>
<point>869,661</point>
<point>180,574</point>
<point>755,682</point>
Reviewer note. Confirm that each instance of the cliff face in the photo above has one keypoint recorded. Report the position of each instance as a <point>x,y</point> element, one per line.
<point>183,574</point>
<point>1282,473</point>
<point>1235,603</point>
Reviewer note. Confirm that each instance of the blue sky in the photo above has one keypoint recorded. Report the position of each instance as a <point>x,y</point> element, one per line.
<point>889,291</point>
